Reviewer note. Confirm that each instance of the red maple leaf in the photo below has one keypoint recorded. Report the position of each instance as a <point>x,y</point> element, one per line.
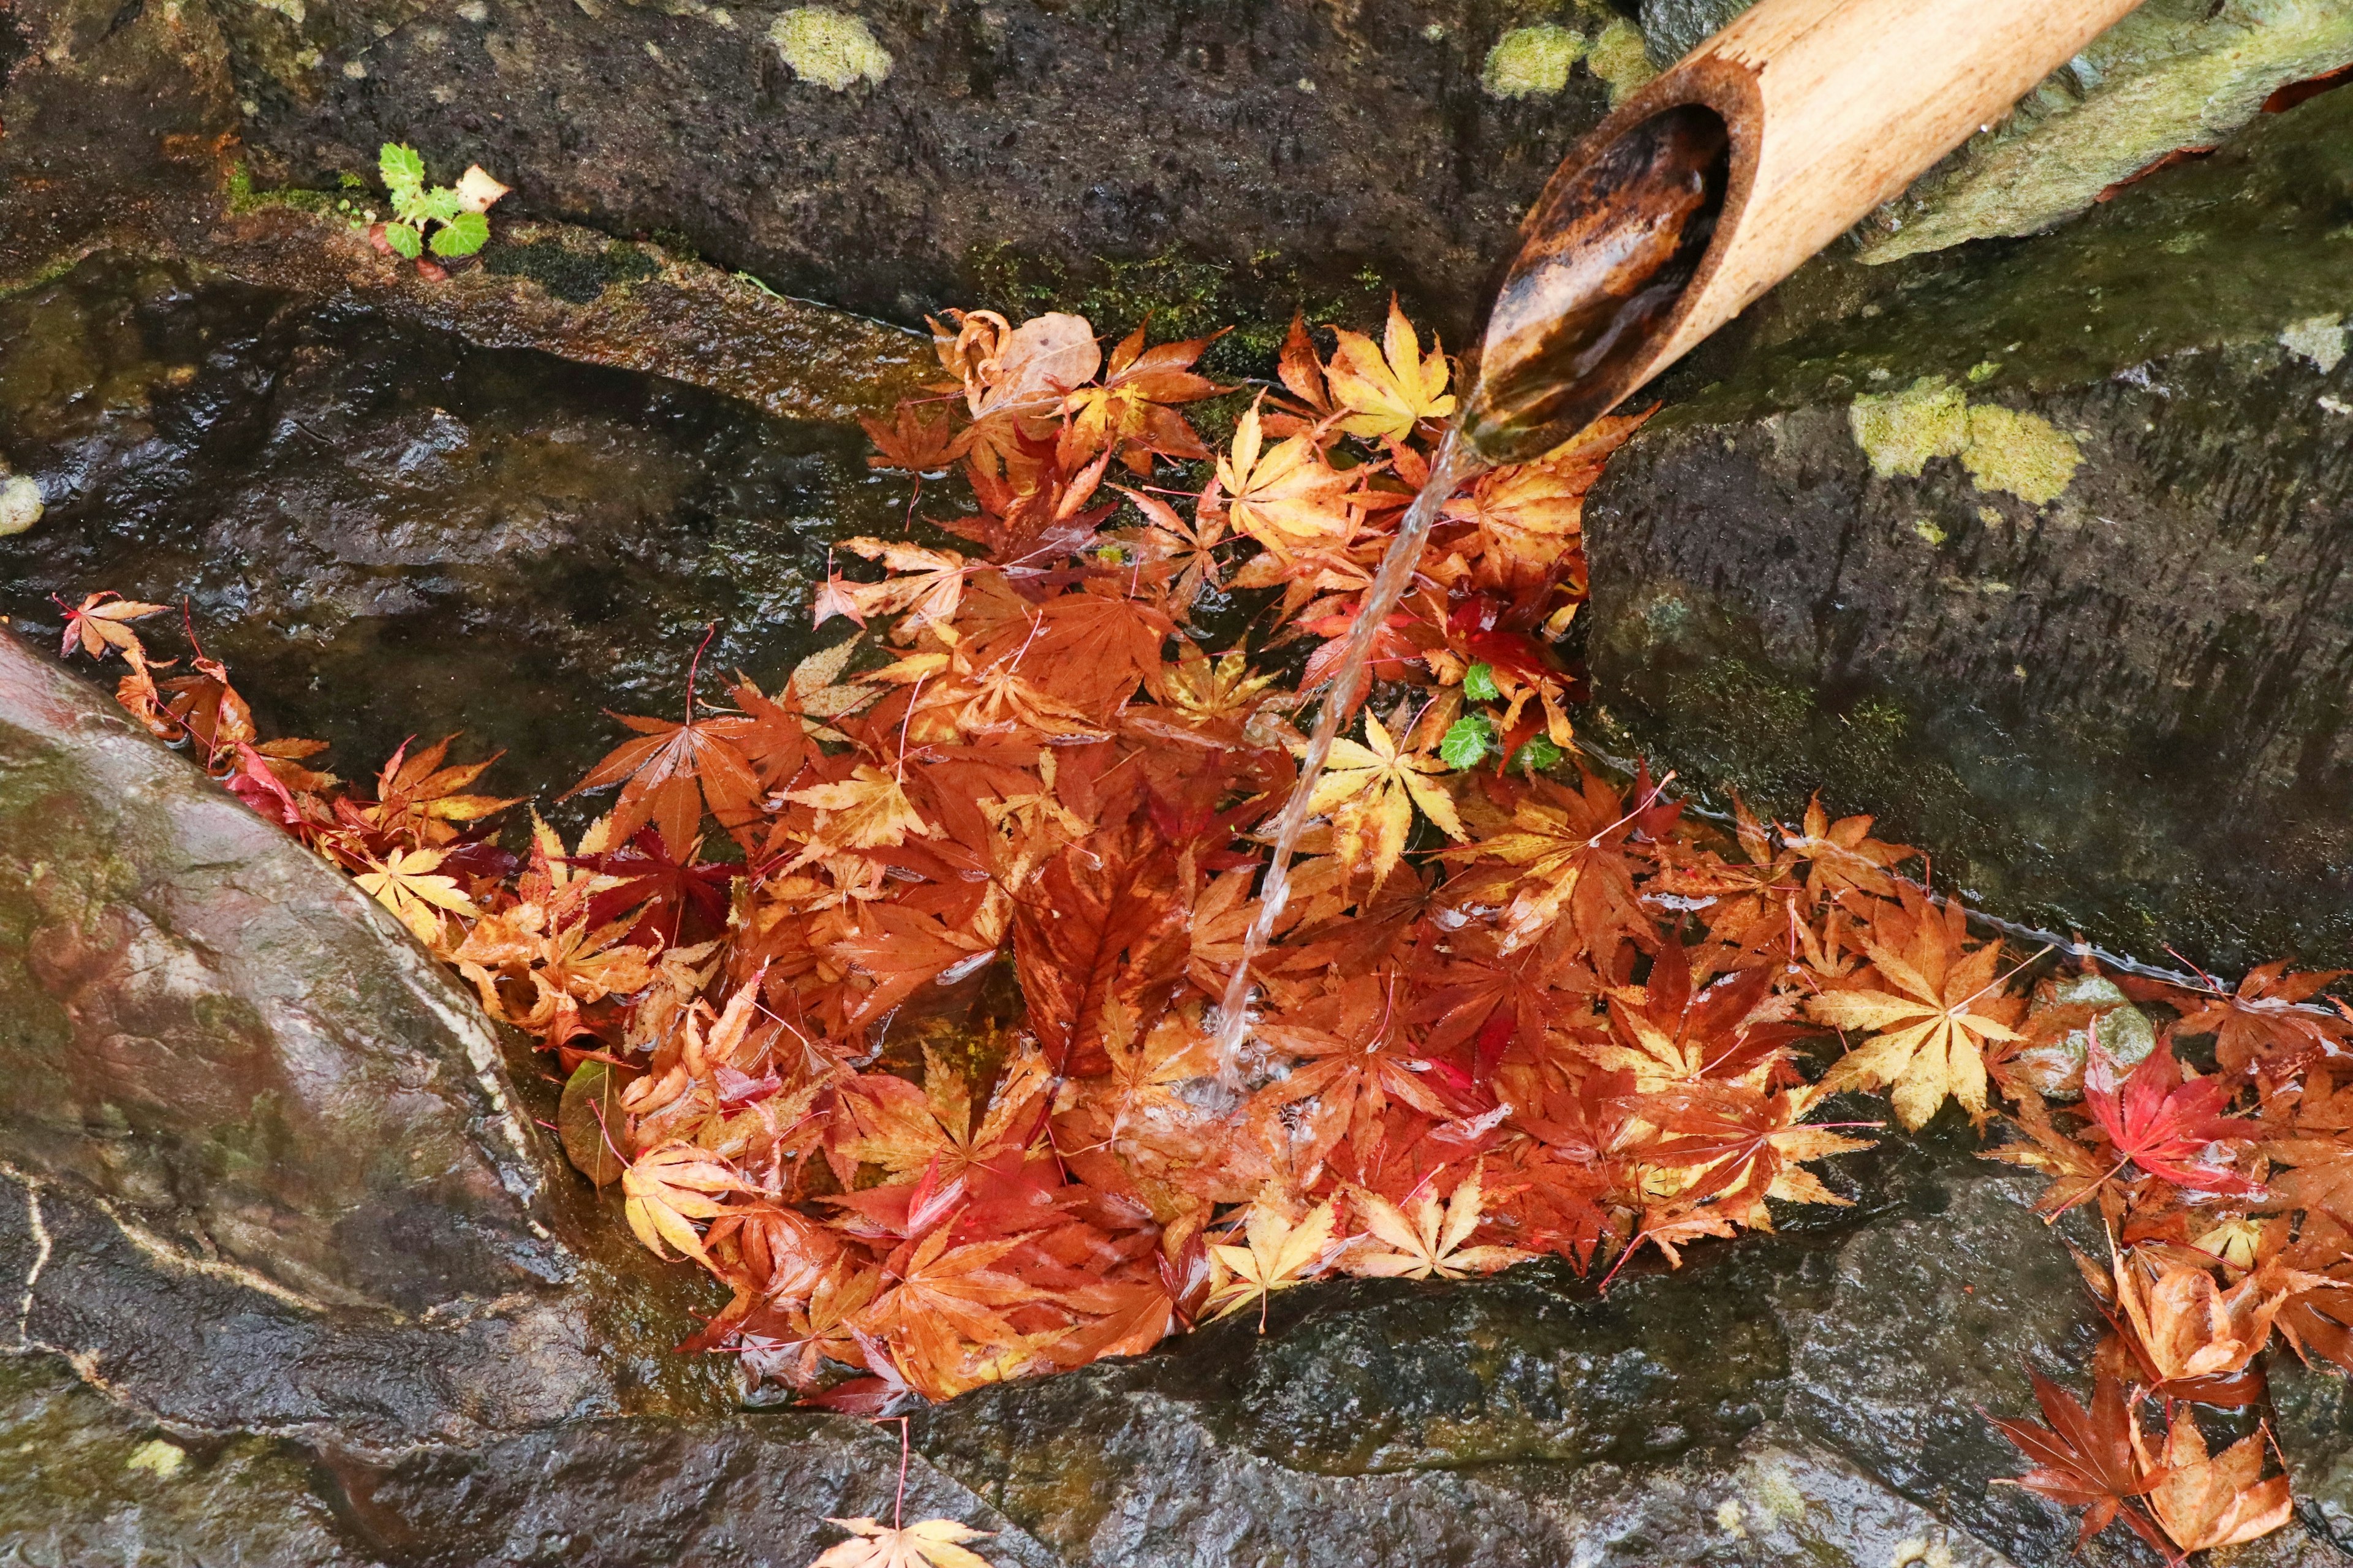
<point>2167,1126</point>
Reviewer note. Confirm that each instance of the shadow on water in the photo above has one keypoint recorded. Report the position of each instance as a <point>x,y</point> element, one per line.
<point>387,531</point>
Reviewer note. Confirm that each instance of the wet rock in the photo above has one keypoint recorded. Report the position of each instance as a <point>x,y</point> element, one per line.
<point>261,1166</point>
<point>2038,551</point>
<point>2313,1417</point>
<point>482,540</point>
<point>896,156</point>
<point>84,1481</point>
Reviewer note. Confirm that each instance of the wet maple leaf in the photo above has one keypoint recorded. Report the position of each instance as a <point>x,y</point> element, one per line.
<point>416,793</point>
<point>672,772</point>
<point>927,588</point>
<point>1023,370</point>
<point>1928,1031</point>
<point>1191,547</point>
<point>1430,1241</point>
<point>2086,1459</point>
<point>1276,1254</point>
<point>1358,1058</point>
<point>1287,496</point>
<point>932,1543</point>
<point>2268,1019</point>
<point>2204,1502</point>
<point>868,810</point>
<point>1129,411</point>
<point>2168,1127</point>
<point>2075,1170</point>
<point>408,882</point>
<point>1568,851</point>
<point>101,622</point>
<point>1744,1146</point>
<point>2190,1338</point>
<point>1389,389</point>
<point>911,441</point>
<point>670,1187</point>
<point>1842,856</point>
<point>1370,790</point>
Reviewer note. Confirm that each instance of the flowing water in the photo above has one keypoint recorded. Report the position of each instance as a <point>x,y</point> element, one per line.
<point>1610,246</point>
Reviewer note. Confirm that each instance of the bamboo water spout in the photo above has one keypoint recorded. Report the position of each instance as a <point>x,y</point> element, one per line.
<point>1724,174</point>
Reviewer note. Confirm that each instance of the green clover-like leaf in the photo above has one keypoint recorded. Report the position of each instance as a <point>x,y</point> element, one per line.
<point>1465,741</point>
<point>463,234</point>
<point>1538,754</point>
<point>1479,683</point>
<point>404,238</point>
<point>441,204</point>
<point>402,168</point>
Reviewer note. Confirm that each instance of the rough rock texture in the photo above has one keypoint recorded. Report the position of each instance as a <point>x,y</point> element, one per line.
<point>2040,551</point>
<point>261,1165</point>
<point>482,540</point>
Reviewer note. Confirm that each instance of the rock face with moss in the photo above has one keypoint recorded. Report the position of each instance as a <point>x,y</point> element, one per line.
<point>2038,551</point>
<point>1219,160</point>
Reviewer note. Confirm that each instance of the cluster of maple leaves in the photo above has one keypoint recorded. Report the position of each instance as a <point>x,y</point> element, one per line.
<point>887,996</point>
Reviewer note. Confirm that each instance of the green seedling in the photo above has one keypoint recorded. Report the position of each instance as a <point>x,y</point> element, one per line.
<point>450,221</point>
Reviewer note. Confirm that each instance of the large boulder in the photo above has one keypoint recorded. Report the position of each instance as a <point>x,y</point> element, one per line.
<point>2037,550</point>
<point>263,1167</point>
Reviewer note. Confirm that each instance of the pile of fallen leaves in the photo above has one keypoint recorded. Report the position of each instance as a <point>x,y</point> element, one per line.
<point>887,995</point>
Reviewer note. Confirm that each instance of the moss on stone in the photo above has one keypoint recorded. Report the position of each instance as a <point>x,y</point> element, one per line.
<point>2175,74</point>
<point>1621,59</point>
<point>2024,454</point>
<point>2002,448</point>
<point>830,48</point>
<point>1532,62</point>
<point>1900,431</point>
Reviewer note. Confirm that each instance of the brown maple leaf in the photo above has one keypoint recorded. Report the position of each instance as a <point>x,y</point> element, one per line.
<point>2089,1459</point>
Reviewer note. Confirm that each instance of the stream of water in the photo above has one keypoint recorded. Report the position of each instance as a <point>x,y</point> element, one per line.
<point>1608,249</point>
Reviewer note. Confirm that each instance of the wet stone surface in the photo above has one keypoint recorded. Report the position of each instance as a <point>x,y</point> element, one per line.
<point>487,540</point>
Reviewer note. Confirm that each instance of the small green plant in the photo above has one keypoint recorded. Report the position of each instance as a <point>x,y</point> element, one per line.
<point>1465,741</point>
<point>449,220</point>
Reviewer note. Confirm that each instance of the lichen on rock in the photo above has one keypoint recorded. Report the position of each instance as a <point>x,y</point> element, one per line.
<point>2320,339</point>
<point>1620,57</point>
<point>2175,75</point>
<point>2023,453</point>
<point>830,49</point>
<point>1532,62</point>
<point>2001,448</point>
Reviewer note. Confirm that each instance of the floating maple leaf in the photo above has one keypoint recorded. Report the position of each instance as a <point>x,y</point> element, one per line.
<point>1370,791</point>
<point>2166,1126</point>
<point>101,622</point>
<point>670,1187</point>
<point>2205,1502</point>
<point>672,772</point>
<point>1929,1029</point>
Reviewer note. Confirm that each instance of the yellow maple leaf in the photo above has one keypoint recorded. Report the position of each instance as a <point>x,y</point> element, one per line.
<point>1928,1032</point>
<point>1277,1255</point>
<point>1371,790</point>
<point>1430,1241</point>
<point>867,810</point>
<point>406,883</point>
<point>1287,496</point>
<point>1391,388</point>
<point>668,1188</point>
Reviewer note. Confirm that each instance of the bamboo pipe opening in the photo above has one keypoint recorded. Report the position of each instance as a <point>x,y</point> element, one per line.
<point>1612,245</point>
<point>1724,174</point>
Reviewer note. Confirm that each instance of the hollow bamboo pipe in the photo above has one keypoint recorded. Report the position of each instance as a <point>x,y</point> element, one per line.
<point>1831,107</point>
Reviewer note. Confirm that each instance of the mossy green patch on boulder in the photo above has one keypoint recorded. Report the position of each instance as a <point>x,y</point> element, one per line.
<point>832,50</point>
<point>1900,431</point>
<point>2173,75</point>
<point>1532,62</point>
<point>2023,453</point>
<point>1620,57</point>
<point>2001,448</point>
